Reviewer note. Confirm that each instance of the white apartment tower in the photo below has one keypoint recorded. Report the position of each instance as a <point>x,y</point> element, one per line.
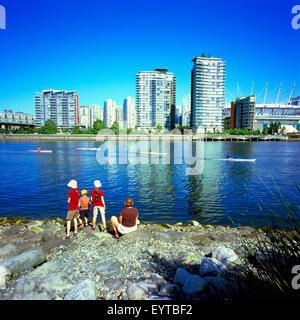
<point>155,99</point>
<point>129,113</point>
<point>207,94</point>
<point>84,116</point>
<point>110,113</point>
<point>57,105</point>
<point>96,113</point>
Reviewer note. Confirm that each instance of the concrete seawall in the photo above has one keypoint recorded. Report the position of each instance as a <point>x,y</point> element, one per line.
<point>33,137</point>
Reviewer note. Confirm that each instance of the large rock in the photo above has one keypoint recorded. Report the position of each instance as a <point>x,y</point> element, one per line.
<point>108,267</point>
<point>225,255</point>
<point>194,284</point>
<point>44,270</point>
<point>142,289</point>
<point>201,240</point>
<point>24,287</point>
<point>3,273</point>
<point>113,284</point>
<point>34,224</point>
<point>55,282</point>
<point>24,261</point>
<point>54,243</point>
<point>137,292</point>
<point>8,251</point>
<point>85,290</point>
<point>168,289</point>
<point>139,235</point>
<point>168,235</point>
<point>181,276</point>
<point>211,266</point>
<point>218,283</point>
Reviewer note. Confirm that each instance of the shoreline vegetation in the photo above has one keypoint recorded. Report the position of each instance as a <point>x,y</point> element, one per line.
<point>157,262</point>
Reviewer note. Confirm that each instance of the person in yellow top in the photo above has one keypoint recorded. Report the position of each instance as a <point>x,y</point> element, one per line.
<point>84,205</point>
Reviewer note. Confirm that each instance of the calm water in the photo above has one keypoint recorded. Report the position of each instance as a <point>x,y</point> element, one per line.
<point>34,185</point>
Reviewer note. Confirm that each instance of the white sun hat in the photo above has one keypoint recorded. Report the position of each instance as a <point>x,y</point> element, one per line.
<point>72,184</point>
<point>97,184</point>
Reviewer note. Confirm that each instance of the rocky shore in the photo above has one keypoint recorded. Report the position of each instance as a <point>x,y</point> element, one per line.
<point>164,262</point>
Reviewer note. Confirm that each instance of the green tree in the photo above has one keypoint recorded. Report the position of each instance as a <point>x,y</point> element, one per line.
<point>129,130</point>
<point>49,127</point>
<point>65,130</point>
<point>159,128</point>
<point>90,130</point>
<point>76,130</point>
<point>98,126</point>
<point>115,127</point>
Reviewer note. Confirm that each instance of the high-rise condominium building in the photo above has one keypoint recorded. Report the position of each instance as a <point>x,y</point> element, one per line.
<point>129,113</point>
<point>207,94</point>
<point>58,105</point>
<point>85,116</point>
<point>96,113</point>
<point>120,116</point>
<point>155,99</point>
<point>242,113</point>
<point>110,112</point>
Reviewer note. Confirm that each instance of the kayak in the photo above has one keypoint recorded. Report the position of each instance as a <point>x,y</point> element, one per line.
<point>91,149</point>
<point>40,151</point>
<point>236,159</point>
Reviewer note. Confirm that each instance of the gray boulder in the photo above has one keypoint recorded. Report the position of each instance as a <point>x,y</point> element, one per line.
<point>168,235</point>
<point>168,289</point>
<point>225,255</point>
<point>211,266</point>
<point>8,251</point>
<point>3,273</point>
<point>139,235</point>
<point>113,284</point>
<point>194,284</point>
<point>137,292</point>
<point>108,267</point>
<point>55,282</point>
<point>44,270</point>
<point>181,276</point>
<point>85,290</point>
<point>24,261</point>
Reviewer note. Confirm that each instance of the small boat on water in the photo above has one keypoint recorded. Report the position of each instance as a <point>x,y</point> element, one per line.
<point>89,149</point>
<point>40,151</point>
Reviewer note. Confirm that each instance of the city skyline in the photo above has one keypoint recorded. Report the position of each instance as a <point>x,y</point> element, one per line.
<point>259,47</point>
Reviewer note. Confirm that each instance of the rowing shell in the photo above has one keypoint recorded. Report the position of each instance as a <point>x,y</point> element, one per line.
<point>91,149</point>
<point>40,151</point>
<point>243,160</point>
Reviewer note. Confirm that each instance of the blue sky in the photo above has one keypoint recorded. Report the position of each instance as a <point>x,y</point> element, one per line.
<point>97,47</point>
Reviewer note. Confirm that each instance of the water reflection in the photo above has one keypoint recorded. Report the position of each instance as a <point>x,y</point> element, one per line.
<point>34,185</point>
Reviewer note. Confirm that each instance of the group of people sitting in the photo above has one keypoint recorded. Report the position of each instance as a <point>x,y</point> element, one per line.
<point>79,208</point>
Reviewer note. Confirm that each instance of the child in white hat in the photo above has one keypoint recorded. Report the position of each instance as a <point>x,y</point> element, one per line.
<point>97,198</point>
<point>73,201</point>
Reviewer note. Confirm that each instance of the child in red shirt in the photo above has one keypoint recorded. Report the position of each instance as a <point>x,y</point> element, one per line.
<point>73,201</point>
<point>97,198</point>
